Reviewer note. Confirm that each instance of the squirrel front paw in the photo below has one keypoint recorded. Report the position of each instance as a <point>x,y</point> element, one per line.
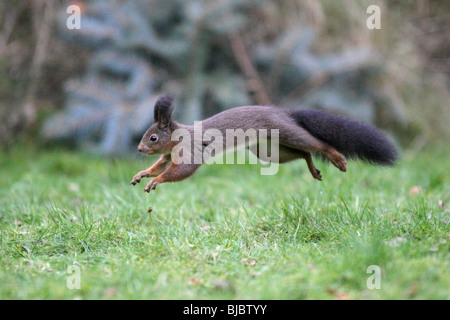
<point>137,178</point>
<point>151,186</point>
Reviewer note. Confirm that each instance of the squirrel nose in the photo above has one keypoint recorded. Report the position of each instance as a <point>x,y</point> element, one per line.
<point>140,149</point>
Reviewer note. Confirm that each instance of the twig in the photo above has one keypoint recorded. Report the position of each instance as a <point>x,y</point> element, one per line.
<point>254,82</point>
<point>42,14</point>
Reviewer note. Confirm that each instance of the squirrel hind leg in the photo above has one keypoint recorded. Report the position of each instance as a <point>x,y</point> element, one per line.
<point>285,153</point>
<point>336,158</point>
<point>312,169</point>
<point>302,140</point>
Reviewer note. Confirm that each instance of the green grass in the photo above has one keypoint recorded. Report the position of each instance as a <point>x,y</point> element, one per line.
<point>226,233</point>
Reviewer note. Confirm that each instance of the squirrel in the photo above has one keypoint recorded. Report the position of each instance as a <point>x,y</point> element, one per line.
<point>300,134</point>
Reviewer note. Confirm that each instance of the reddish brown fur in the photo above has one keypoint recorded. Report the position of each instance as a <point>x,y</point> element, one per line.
<point>295,141</point>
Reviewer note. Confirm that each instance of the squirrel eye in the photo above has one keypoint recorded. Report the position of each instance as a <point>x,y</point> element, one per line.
<point>153,138</point>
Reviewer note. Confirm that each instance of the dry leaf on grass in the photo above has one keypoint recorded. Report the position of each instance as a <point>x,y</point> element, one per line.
<point>415,190</point>
<point>248,262</point>
<point>342,296</point>
<point>194,281</point>
<point>338,295</point>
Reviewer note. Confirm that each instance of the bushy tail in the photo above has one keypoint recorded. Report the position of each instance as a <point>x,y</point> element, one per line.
<point>351,138</point>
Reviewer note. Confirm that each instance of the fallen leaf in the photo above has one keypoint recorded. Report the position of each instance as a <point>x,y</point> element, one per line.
<point>194,281</point>
<point>338,295</point>
<point>248,262</point>
<point>342,296</point>
<point>415,190</point>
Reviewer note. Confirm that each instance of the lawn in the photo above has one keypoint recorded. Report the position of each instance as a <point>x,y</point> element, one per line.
<point>226,233</point>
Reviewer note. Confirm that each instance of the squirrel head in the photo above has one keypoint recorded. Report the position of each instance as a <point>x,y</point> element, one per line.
<point>157,139</point>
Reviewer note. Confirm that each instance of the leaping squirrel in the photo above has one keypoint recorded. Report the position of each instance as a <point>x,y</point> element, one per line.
<point>300,133</point>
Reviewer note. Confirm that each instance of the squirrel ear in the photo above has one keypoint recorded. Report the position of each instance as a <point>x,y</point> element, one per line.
<point>163,110</point>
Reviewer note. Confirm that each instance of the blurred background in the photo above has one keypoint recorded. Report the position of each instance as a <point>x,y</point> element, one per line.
<point>93,88</point>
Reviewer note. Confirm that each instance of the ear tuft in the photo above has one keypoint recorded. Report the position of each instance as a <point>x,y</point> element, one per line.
<point>163,110</point>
